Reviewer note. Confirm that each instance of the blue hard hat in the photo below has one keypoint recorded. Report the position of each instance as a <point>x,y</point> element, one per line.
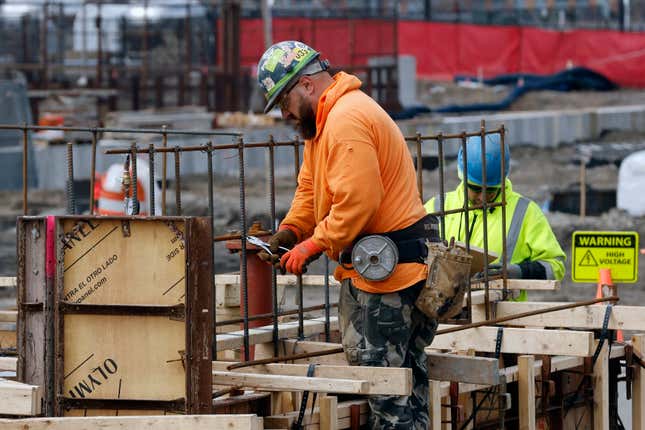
<point>281,65</point>
<point>493,161</point>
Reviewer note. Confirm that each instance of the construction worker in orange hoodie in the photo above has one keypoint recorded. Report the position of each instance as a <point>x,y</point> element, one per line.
<point>356,201</point>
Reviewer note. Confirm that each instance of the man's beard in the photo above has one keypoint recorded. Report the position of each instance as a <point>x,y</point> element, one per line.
<point>307,123</point>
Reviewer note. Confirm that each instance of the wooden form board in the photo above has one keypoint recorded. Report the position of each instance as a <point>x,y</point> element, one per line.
<point>170,422</point>
<point>310,421</point>
<point>463,368</point>
<point>264,334</point>
<point>19,399</point>
<point>519,284</point>
<point>517,341</point>
<point>587,317</point>
<point>132,314</point>
<point>380,380</point>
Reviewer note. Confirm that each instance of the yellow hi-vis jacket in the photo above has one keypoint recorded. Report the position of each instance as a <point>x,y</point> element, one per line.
<point>528,234</point>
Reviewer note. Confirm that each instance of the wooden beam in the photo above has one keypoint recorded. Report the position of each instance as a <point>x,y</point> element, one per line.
<point>291,383</point>
<point>329,413</point>
<point>264,334</point>
<point>8,282</point>
<point>434,404</point>
<point>381,380</point>
<point>8,364</point>
<point>17,398</point>
<point>520,284</point>
<point>463,368</point>
<point>167,422</point>
<point>638,387</point>
<point>590,317</point>
<point>479,297</point>
<point>601,390</point>
<point>8,316</point>
<point>517,341</point>
<point>526,388</point>
<point>285,421</point>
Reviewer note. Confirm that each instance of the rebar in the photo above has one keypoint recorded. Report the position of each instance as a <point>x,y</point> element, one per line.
<point>71,204</point>
<point>274,275</point>
<point>177,180</point>
<point>275,315</point>
<point>270,360</point>
<point>419,165</point>
<point>243,229</point>
<point>484,218</point>
<point>93,171</point>
<point>301,323</point>
<point>135,182</point>
<point>25,183</point>
<point>151,162</point>
<point>164,161</point>
<point>211,214</point>
<point>506,259</point>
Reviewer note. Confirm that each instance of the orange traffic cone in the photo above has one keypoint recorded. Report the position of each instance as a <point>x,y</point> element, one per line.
<point>604,278</point>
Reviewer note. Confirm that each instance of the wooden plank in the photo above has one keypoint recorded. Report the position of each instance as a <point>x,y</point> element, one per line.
<point>381,380</point>
<point>589,317</point>
<point>526,388</point>
<point>168,422</point>
<point>434,404</point>
<point>8,364</point>
<point>264,334</point>
<point>517,341</point>
<point>479,297</point>
<point>600,381</point>
<point>520,284</point>
<point>19,399</point>
<point>638,387</point>
<point>8,316</point>
<point>7,282</point>
<point>328,413</point>
<point>285,421</point>
<point>291,383</point>
<point>463,368</point>
<point>8,339</point>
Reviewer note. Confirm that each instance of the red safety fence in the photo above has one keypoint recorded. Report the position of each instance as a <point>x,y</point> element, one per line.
<point>444,50</point>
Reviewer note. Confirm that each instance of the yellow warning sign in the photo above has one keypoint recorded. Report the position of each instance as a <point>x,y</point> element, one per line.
<point>594,250</point>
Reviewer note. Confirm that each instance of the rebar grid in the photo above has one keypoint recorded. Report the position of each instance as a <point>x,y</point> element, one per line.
<point>210,150</point>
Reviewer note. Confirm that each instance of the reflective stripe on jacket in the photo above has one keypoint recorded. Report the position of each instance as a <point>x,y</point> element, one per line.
<point>357,177</point>
<point>110,195</point>
<point>528,234</point>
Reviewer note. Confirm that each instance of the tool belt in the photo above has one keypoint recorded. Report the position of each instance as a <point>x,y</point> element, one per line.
<point>448,273</point>
<point>375,256</point>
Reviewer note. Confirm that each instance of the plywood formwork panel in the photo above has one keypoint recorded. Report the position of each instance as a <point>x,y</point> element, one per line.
<point>123,262</point>
<point>106,356</point>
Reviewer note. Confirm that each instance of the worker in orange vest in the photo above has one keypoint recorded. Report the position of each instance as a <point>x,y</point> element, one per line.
<point>111,193</point>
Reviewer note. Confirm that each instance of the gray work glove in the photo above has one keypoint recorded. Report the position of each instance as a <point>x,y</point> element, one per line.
<point>513,271</point>
<point>284,238</point>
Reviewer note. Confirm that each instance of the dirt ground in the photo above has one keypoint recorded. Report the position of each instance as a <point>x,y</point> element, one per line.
<point>536,173</point>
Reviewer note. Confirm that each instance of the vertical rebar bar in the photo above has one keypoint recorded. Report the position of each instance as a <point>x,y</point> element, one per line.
<point>211,214</point>
<point>484,194</point>
<point>327,305</point>
<point>301,323</point>
<point>93,171</point>
<point>243,273</point>
<point>274,275</point>
<point>464,152</point>
<point>71,204</point>
<point>178,180</point>
<point>419,165</point>
<point>506,259</point>
<point>442,185</point>
<point>151,162</point>
<point>164,161</point>
<point>135,180</point>
<point>25,175</point>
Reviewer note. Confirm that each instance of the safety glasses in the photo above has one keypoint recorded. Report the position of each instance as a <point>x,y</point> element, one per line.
<point>477,189</point>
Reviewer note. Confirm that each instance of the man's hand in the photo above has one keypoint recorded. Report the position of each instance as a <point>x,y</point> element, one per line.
<point>296,260</point>
<point>283,238</point>
<point>513,271</point>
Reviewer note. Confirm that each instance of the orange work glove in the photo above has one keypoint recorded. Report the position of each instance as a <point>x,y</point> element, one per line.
<point>285,238</point>
<point>296,260</point>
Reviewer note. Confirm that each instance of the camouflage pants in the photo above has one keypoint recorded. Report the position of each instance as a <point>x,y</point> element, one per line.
<point>387,330</point>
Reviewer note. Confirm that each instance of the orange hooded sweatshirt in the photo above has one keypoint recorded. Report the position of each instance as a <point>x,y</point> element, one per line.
<point>357,178</point>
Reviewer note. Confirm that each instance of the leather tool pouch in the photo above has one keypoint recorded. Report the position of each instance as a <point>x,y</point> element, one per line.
<point>448,273</point>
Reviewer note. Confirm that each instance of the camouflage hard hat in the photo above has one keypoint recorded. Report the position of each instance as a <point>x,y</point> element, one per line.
<point>281,65</point>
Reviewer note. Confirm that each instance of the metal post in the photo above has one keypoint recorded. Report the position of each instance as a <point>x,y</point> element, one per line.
<point>135,181</point>
<point>178,180</point>
<point>211,214</point>
<point>71,204</point>
<point>151,162</point>
<point>243,229</point>
<point>93,171</point>
<point>164,161</point>
<point>25,183</point>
